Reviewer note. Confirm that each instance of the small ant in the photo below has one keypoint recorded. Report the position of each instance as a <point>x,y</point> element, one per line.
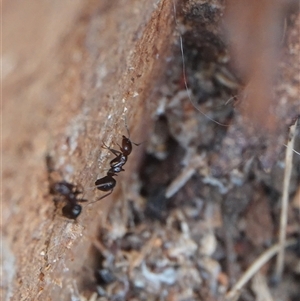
<point>116,165</point>
<point>72,209</point>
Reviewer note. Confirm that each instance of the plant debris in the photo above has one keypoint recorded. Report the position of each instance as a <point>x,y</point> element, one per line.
<point>204,207</point>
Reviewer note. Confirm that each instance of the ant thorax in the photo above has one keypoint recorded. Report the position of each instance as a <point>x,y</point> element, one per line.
<point>117,163</point>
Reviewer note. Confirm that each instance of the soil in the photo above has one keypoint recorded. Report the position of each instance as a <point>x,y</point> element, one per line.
<point>199,199</point>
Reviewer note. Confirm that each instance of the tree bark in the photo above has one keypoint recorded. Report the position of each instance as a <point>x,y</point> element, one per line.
<point>72,70</point>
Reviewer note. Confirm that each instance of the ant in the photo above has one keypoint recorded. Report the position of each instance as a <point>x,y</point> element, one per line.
<point>72,209</point>
<point>116,165</point>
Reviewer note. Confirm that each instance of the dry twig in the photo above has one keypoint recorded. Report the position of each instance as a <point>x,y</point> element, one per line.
<point>285,199</point>
<point>234,293</point>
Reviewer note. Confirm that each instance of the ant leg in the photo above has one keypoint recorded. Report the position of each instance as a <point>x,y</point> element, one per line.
<point>126,125</point>
<point>114,151</point>
<point>104,196</point>
<point>136,144</point>
<point>77,192</point>
<point>82,200</point>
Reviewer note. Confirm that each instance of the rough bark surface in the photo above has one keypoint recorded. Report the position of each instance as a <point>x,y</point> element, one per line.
<point>72,71</point>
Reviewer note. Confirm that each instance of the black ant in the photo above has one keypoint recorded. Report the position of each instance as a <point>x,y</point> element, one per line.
<point>116,165</point>
<point>72,209</point>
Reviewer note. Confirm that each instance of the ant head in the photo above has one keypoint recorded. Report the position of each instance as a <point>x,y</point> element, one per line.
<point>126,146</point>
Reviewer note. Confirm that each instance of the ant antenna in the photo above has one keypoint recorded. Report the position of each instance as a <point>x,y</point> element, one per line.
<point>128,133</point>
<point>184,74</point>
<point>126,125</point>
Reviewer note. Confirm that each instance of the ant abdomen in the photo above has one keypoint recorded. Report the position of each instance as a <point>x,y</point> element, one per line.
<point>71,210</point>
<point>106,183</point>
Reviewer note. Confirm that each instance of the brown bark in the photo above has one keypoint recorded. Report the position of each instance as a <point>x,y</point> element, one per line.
<point>72,70</point>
